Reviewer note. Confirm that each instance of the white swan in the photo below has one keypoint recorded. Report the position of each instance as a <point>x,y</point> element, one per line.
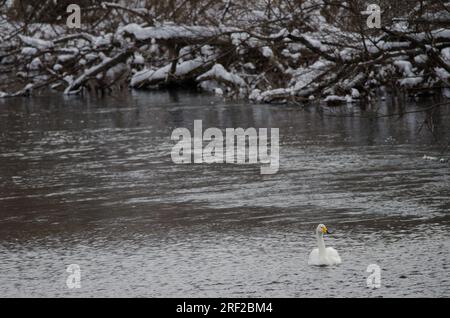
<point>323,255</point>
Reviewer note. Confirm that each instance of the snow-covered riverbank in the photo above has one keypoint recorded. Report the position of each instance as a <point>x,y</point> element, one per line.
<point>259,51</point>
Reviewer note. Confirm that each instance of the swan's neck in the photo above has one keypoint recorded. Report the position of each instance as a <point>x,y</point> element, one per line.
<point>320,243</point>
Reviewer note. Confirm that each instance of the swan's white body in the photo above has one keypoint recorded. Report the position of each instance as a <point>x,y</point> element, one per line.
<point>323,255</point>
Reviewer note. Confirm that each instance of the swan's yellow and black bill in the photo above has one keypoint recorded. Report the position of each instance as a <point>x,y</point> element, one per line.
<point>325,230</point>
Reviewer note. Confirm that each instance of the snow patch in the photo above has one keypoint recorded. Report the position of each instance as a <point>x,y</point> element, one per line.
<point>218,72</point>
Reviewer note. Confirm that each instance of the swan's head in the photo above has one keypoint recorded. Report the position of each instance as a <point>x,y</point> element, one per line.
<point>322,229</point>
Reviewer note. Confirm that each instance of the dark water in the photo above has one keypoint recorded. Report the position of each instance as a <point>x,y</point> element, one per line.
<point>91,182</point>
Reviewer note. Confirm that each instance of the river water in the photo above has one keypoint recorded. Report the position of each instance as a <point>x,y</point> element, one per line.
<point>90,181</point>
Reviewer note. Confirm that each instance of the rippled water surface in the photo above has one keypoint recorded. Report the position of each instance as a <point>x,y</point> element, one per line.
<point>91,182</point>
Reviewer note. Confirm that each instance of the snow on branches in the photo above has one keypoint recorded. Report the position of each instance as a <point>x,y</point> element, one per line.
<point>262,51</point>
